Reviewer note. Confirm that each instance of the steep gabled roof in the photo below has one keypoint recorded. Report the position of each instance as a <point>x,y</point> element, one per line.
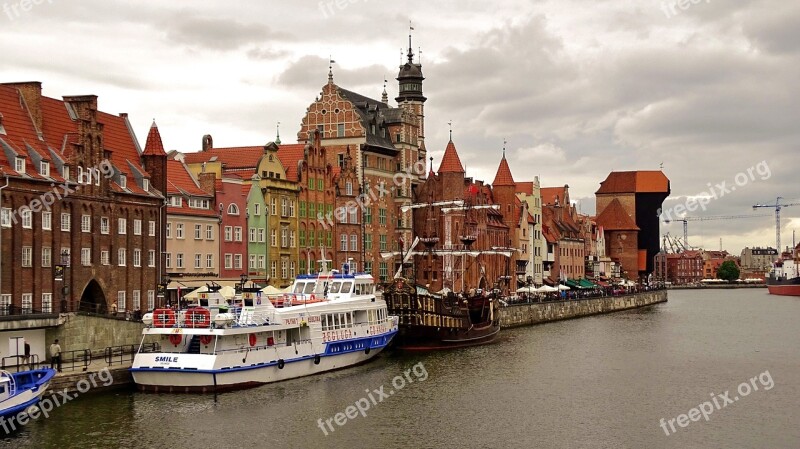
<point>451,163</point>
<point>290,155</point>
<point>551,194</point>
<point>525,187</point>
<point>503,176</point>
<point>180,181</point>
<point>614,218</point>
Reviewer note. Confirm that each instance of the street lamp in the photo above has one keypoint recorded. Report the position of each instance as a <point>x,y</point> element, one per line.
<point>65,287</point>
<point>243,278</point>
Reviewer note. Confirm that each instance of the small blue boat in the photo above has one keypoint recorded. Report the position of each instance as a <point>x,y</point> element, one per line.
<point>19,391</point>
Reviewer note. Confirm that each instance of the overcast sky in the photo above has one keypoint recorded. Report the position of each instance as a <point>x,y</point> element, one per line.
<point>577,88</point>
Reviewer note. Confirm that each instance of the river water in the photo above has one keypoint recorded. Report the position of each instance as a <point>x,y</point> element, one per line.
<point>598,382</point>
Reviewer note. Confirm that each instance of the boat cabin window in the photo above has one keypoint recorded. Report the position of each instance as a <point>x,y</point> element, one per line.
<point>299,287</point>
<point>248,302</point>
<point>310,288</point>
<point>335,287</point>
<point>346,287</point>
<point>204,303</point>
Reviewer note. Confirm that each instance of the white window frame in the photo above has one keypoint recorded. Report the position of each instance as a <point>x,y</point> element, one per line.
<point>44,168</point>
<point>86,257</point>
<point>27,218</point>
<point>122,226</point>
<point>122,257</point>
<point>151,258</point>
<point>27,256</point>
<point>151,228</point>
<point>209,232</point>
<point>137,257</point>
<point>105,257</point>
<point>66,221</point>
<point>105,225</point>
<point>86,223</point>
<point>47,221</point>
<point>47,303</point>
<point>137,227</point>
<point>47,256</point>
<point>121,305</point>
<point>237,261</point>
<point>27,303</point>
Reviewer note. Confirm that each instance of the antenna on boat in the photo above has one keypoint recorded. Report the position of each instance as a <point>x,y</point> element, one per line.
<point>323,262</point>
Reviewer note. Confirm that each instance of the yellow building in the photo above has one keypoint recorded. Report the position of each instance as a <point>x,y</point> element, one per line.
<point>281,197</point>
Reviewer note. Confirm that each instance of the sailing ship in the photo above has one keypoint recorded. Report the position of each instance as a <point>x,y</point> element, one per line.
<point>455,316</point>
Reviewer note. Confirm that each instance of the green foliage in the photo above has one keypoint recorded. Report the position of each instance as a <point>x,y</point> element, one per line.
<point>728,271</point>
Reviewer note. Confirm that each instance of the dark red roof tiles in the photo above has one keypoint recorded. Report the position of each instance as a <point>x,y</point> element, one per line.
<point>451,163</point>
<point>503,176</point>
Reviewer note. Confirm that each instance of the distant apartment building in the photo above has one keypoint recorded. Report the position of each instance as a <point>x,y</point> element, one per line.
<point>758,259</point>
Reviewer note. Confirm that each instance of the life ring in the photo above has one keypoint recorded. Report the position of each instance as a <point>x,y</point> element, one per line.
<point>205,339</point>
<point>281,363</point>
<point>198,317</point>
<point>164,318</point>
<point>253,339</point>
<point>175,339</point>
<point>316,359</point>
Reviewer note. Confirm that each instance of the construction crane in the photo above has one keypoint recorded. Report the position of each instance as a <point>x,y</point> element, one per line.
<point>686,221</point>
<point>777,206</point>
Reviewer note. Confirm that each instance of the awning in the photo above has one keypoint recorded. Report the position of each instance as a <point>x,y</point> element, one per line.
<point>572,284</point>
<point>602,284</point>
<point>189,285</point>
<point>586,283</point>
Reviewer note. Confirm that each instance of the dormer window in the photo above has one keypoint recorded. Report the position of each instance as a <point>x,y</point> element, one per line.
<point>80,175</point>
<point>65,173</point>
<point>2,128</point>
<point>44,168</point>
<point>19,165</point>
<point>146,185</point>
<point>123,181</point>
<point>176,201</point>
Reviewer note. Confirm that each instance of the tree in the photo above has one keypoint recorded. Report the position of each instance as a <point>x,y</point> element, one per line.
<point>728,271</point>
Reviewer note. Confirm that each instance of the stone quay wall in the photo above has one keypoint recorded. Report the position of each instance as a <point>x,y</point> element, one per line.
<point>545,312</point>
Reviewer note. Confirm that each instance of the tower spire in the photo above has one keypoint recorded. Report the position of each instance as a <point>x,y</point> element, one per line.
<point>450,124</point>
<point>278,137</point>
<point>331,62</point>
<point>410,48</point>
<point>385,95</point>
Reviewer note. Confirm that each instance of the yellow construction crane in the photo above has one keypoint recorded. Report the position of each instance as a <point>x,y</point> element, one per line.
<point>686,221</point>
<point>777,206</point>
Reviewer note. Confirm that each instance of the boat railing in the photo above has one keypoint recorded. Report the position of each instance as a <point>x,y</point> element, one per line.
<point>296,299</point>
<point>263,347</point>
<point>125,353</point>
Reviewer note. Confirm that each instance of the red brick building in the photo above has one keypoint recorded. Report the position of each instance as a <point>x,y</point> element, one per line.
<point>455,230</point>
<point>77,190</point>
<point>382,143</point>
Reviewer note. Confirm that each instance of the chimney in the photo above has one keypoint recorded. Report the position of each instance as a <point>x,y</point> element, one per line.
<point>208,182</point>
<point>208,142</point>
<point>85,106</point>
<point>31,92</point>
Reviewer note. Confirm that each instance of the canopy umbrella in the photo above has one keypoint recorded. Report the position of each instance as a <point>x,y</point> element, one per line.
<point>270,290</point>
<point>528,289</point>
<point>563,288</point>
<point>227,292</point>
<point>546,289</point>
<point>194,294</point>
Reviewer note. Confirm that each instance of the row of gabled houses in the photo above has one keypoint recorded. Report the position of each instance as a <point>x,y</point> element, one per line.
<point>91,218</point>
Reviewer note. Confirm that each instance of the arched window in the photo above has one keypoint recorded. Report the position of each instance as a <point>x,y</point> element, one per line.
<point>233,209</point>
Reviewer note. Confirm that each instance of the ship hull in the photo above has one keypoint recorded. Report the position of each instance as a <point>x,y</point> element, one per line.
<point>784,287</point>
<point>427,338</point>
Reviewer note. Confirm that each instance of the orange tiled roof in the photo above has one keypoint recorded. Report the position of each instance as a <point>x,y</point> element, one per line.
<point>550,194</point>
<point>503,176</point>
<point>614,218</point>
<point>231,158</point>
<point>153,145</point>
<point>643,181</point>
<point>451,163</point>
<point>180,181</point>
<point>289,155</point>
<point>525,187</point>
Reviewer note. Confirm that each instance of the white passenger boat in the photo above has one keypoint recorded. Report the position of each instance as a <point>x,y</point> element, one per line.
<point>330,320</point>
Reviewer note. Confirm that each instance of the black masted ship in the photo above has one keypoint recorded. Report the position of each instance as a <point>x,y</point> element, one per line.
<point>444,320</point>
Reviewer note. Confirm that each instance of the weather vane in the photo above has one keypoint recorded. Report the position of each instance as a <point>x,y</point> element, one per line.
<point>450,124</point>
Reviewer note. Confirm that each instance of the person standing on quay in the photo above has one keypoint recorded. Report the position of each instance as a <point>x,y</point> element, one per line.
<point>55,355</point>
<point>114,309</point>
